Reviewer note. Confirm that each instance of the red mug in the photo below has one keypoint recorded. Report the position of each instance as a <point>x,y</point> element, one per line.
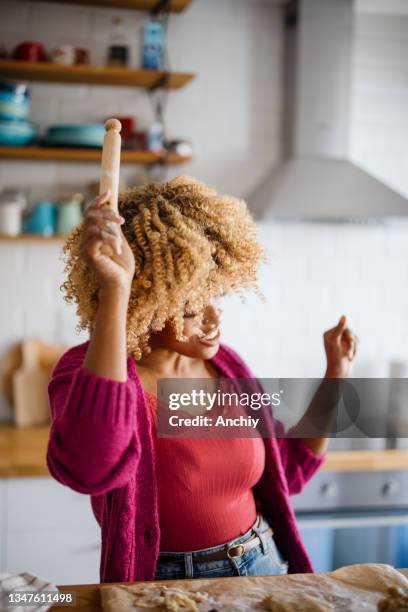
<point>81,56</point>
<point>128,126</point>
<point>30,52</point>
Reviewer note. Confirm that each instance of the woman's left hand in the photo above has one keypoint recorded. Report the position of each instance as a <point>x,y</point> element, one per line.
<point>341,346</point>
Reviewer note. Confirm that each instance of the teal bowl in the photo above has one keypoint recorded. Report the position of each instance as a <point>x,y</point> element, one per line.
<point>83,135</point>
<point>17,133</point>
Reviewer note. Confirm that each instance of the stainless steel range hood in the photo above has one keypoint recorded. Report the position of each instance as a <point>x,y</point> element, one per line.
<point>317,182</point>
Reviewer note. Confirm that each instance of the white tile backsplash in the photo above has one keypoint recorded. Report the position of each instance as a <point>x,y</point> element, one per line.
<point>379,120</point>
<point>309,284</point>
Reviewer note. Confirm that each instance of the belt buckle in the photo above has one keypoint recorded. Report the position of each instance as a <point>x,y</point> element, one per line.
<point>237,547</point>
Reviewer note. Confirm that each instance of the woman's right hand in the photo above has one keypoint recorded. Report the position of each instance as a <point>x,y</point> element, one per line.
<point>114,267</point>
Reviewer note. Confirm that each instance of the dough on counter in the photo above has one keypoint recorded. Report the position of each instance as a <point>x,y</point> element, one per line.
<point>135,597</point>
<point>309,603</point>
<point>395,601</point>
<point>356,588</point>
<point>352,588</point>
<point>326,595</point>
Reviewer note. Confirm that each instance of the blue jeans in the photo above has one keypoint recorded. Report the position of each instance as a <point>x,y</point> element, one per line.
<point>262,560</point>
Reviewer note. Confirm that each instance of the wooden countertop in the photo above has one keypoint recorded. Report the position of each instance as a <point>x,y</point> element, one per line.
<point>366,460</point>
<point>88,597</point>
<point>22,453</point>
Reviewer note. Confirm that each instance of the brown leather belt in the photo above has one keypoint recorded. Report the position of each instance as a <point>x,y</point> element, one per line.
<point>230,552</point>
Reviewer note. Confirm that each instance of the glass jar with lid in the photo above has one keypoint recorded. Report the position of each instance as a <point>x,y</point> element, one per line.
<point>12,204</point>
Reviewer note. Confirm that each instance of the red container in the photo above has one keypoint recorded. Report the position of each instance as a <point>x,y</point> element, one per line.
<point>30,52</point>
<point>128,126</point>
<point>81,56</point>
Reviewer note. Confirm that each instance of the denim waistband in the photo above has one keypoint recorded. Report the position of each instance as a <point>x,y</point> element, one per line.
<point>260,524</point>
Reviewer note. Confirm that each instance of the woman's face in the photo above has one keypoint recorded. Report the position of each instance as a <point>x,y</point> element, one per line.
<point>202,333</point>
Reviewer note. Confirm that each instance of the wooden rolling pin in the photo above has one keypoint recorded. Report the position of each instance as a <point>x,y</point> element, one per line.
<point>111,161</point>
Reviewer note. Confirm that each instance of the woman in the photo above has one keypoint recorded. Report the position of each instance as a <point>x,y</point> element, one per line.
<point>171,508</point>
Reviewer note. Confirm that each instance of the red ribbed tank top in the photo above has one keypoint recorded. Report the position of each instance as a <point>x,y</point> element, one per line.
<point>205,488</point>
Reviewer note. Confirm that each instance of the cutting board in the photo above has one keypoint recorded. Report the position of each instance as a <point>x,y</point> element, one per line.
<point>12,360</point>
<point>30,388</point>
<point>356,588</point>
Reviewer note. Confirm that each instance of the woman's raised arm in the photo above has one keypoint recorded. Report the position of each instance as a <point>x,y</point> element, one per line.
<point>93,446</point>
<point>105,250</point>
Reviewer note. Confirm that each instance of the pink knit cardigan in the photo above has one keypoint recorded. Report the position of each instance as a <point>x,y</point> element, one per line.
<point>101,444</point>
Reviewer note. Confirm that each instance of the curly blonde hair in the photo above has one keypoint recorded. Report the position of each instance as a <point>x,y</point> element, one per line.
<point>190,245</point>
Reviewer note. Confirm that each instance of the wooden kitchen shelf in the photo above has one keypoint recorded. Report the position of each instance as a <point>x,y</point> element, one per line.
<point>31,238</point>
<point>176,6</point>
<point>93,75</point>
<point>146,158</point>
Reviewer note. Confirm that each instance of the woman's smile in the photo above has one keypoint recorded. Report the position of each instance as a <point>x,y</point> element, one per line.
<point>212,338</point>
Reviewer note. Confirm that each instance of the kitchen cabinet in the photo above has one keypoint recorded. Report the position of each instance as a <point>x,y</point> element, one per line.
<point>43,503</point>
<point>48,530</point>
<point>355,517</point>
<point>58,555</point>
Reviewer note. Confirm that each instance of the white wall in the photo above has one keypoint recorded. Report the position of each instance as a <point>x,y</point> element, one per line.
<point>316,274</point>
